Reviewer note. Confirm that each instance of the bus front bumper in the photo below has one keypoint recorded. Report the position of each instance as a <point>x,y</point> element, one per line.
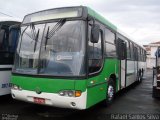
<point>52,99</point>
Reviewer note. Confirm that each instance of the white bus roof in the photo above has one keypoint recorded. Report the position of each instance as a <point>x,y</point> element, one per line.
<point>5,19</point>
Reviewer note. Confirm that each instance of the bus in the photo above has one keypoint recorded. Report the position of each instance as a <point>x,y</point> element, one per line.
<point>156,75</point>
<point>72,57</point>
<point>7,50</point>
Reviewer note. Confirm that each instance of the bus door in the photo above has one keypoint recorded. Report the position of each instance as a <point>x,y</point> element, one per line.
<point>122,54</point>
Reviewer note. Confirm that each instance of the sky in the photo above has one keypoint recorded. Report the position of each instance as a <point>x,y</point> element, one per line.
<point>139,19</point>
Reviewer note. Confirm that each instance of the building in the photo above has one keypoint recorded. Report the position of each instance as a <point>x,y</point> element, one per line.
<point>151,49</point>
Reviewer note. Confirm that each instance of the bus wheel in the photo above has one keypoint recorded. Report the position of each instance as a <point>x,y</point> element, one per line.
<point>110,93</point>
<point>139,76</point>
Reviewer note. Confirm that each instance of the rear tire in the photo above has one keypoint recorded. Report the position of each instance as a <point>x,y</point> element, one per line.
<point>139,76</point>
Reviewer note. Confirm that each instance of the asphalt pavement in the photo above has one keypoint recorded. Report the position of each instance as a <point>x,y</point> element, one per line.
<point>135,102</point>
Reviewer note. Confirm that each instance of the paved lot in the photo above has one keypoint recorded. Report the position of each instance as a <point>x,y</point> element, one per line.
<point>137,99</point>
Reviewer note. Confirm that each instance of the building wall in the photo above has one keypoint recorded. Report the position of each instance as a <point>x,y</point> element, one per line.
<point>151,62</point>
<point>153,50</point>
<point>151,58</point>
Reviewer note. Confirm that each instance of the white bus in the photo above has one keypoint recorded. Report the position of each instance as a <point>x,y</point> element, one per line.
<point>8,41</point>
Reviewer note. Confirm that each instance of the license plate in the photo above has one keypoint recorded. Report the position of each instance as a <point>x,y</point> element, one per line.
<point>39,100</point>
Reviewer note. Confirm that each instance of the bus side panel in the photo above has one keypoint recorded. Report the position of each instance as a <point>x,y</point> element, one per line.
<point>5,82</point>
<point>80,85</point>
<point>97,86</point>
<point>96,94</point>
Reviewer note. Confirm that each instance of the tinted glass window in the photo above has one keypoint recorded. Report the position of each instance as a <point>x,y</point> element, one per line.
<point>62,54</point>
<point>128,50</point>
<point>143,55</point>
<point>131,51</point>
<point>138,54</point>
<point>110,50</point>
<point>6,57</point>
<point>54,49</point>
<point>109,36</point>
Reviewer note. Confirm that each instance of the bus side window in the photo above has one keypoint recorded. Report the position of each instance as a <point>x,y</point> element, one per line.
<point>110,48</point>
<point>95,54</point>
<point>135,53</point>
<point>2,37</point>
<point>138,53</point>
<point>5,56</point>
<point>13,38</point>
<point>128,50</point>
<point>144,55</point>
<point>131,51</point>
<point>141,54</point>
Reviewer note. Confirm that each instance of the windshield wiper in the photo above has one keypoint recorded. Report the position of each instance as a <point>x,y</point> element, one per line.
<point>24,31</point>
<point>46,38</point>
<point>34,36</point>
<point>49,34</point>
<point>36,40</point>
<point>21,34</point>
<point>33,31</point>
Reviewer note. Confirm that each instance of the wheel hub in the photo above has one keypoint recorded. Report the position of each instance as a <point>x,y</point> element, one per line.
<point>110,92</point>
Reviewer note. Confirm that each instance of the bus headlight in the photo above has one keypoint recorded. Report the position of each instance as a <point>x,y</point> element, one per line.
<point>62,93</point>
<point>16,87</point>
<point>70,93</point>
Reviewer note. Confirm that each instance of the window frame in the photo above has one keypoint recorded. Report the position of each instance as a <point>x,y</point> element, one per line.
<point>102,48</point>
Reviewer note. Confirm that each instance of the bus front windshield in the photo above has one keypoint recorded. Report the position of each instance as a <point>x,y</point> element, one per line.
<point>55,49</point>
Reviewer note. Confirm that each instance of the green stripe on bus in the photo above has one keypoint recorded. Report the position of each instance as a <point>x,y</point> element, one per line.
<point>45,84</point>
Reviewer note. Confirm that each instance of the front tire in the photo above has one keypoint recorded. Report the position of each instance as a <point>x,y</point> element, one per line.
<point>110,93</point>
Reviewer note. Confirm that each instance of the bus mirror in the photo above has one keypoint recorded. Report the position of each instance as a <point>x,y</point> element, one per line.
<point>95,33</point>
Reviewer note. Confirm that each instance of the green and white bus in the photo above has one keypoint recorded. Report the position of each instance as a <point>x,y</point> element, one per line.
<point>72,57</point>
